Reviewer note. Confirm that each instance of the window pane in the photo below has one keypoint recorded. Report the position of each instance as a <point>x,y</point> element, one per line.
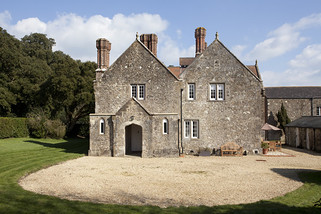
<point>213,91</point>
<point>220,90</point>
<point>165,126</point>
<point>134,91</point>
<point>195,129</point>
<point>187,129</point>
<point>102,126</point>
<point>319,111</point>
<point>191,91</point>
<point>141,92</point>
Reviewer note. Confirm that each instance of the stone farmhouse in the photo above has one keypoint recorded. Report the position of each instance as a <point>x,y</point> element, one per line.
<point>148,109</point>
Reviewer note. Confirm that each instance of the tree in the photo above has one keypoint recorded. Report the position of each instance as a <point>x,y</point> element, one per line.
<point>283,118</point>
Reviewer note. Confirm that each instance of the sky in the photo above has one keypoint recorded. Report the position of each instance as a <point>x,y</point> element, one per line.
<point>284,36</point>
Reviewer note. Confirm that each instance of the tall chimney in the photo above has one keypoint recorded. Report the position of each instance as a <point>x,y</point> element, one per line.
<point>103,48</point>
<point>200,34</point>
<point>150,41</point>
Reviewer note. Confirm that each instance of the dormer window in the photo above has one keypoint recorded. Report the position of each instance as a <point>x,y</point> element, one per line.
<point>138,91</point>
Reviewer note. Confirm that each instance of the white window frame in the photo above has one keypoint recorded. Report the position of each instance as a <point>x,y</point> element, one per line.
<point>213,89</point>
<point>133,91</point>
<point>318,110</point>
<point>102,126</point>
<point>187,128</point>
<point>218,90</point>
<point>138,91</point>
<point>191,129</point>
<point>194,130</point>
<point>191,91</point>
<point>165,126</point>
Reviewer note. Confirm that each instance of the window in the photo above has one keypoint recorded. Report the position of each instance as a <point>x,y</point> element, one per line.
<point>187,129</point>
<point>217,92</point>
<point>212,91</point>
<point>165,126</point>
<point>134,91</point>
<point>319,111</point>
<point>191,128</point>
<point>138,91</point>
<point>191,91</point>
<point>102,126</point>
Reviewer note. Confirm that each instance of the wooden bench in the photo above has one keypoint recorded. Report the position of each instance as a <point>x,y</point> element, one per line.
<point>231,148</point>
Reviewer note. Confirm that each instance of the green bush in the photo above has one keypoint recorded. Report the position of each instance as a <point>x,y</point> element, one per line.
<point>13,127</point>
<point>42,127</point>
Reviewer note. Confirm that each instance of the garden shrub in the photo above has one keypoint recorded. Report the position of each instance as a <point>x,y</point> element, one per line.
<point>13,127</point>
<point>42,127</point>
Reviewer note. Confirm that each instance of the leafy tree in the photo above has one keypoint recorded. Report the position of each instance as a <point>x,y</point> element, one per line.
<point>283,118</point>
<point>33,77</point>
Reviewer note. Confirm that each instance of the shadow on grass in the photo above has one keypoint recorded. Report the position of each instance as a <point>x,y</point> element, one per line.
<point>294,173</point>
<point>259,207</point>
<point>73,145</point>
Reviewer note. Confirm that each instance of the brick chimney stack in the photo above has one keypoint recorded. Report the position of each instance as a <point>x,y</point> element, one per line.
<point>201,45</point>
<point>150,41</point>
<point>103,48</point>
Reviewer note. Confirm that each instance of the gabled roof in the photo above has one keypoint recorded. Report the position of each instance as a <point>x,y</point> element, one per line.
<point>132,101</point>
<point>293,92</point>
<point>139,42</point>
<point>306,122</point>
<point>255,75</point>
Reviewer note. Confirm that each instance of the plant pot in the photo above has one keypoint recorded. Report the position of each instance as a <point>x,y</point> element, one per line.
<point>265,151</point>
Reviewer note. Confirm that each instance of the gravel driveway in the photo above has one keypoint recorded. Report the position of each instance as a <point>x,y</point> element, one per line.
<point>185,181</point>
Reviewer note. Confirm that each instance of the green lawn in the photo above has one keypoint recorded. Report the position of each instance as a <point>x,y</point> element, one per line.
<point>24,155</point>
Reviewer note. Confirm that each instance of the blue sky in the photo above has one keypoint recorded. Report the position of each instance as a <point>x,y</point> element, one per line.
<point>283,35</point>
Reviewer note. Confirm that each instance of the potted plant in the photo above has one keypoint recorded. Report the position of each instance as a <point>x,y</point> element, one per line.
<point>265,147</point>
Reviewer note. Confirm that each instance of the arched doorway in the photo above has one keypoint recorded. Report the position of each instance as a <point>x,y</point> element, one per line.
<point>133,140</point>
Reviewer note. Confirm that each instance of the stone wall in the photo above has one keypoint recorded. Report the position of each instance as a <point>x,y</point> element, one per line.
<point>137,65</point>
<point>239,117</point>
<point>306,138</point>
<point>295,108</point>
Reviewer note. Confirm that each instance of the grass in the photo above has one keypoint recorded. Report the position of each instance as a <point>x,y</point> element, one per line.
<point>21,156</point>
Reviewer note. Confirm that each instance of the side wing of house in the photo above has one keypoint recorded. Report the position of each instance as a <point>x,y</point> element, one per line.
<point>222,101</point>
<point>136,75</point>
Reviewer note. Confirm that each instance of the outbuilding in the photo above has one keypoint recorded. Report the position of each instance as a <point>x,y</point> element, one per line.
<point>304,132</point>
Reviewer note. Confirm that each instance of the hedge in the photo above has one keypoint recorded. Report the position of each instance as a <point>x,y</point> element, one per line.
<point>13,127</point>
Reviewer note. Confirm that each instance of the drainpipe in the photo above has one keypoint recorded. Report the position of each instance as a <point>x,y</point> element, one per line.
<point>182,121</point>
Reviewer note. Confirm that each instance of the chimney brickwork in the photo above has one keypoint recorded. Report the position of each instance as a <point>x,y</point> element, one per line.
<point>103,49</point>
<point>150,41</point>
<point>201,45</point>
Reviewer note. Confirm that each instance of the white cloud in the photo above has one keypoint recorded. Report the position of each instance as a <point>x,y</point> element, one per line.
<point>284,39</point>
<point>304,69</point>
<point>76,35</point>
<point>170,52</point>
<point>5,18</point>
